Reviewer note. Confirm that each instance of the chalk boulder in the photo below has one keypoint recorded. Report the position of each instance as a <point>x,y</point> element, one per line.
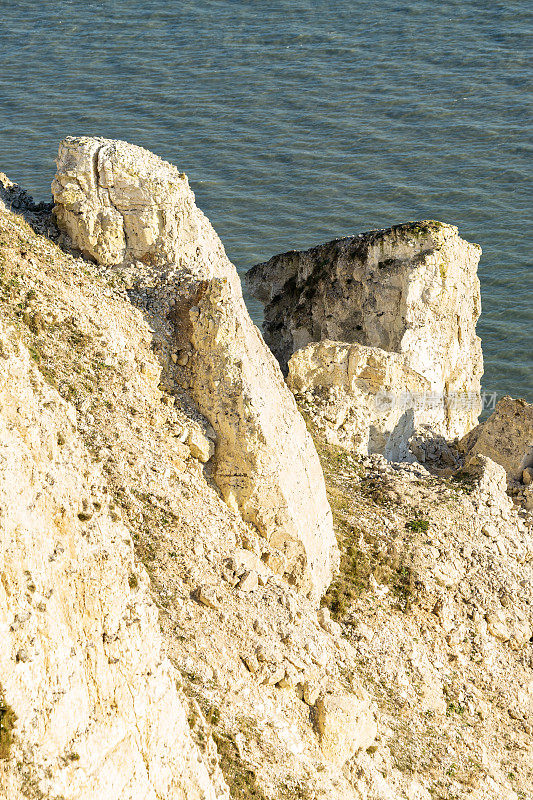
<point>506,437</point>
<point>361,398</point>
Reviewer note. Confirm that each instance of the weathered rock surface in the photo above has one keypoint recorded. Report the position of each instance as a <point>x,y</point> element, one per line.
<point>411,289</point>
<point>118,203</point>
<point>362,398</point>
<point>90,704</point>
<point>346,723</point>
<point>506,437</point>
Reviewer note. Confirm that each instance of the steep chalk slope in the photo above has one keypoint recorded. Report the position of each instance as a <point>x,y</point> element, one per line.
<point>146,454</point>
<point>120,203</point>
<point>431,608</point>
<point>90,705</point>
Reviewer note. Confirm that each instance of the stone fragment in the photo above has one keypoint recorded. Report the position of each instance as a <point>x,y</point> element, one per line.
<point>272,675</point>
<point>207,596</point>
<point>327,624</point>
<point>290,678</point>
<point>345,723</point>
<point>491,482</point>
<point>200,446</point>
<point>244,560</point>
<point>251,662</point>
<point>248,582</point>
<point>528,497</point>
<point>311,692</point>
<point>527,476</point>
<point>506,437</point>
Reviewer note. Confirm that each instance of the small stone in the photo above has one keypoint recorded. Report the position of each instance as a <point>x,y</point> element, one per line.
<point>276,562</point>
<point>497,626</point>
<point>290,678</point>
<point>273,676</point>
<point>22,656</point>
<point>86,511</point>
<point>248,582</point>
<point>310,692</point>
<point>323,616</point>
<point>207,596</point>
<point>527,476</point>
<point>200,445</point>
<point>261,653</point>
<point>327,624</point>
<point>229,576</point>
<point>251,663</point>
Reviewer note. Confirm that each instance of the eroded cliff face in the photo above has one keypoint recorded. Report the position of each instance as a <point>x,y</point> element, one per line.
<point>411,682</point>
<point>411,289</point>
<point>120,203</point>
<point>361,398</point>
<point>92,708</point>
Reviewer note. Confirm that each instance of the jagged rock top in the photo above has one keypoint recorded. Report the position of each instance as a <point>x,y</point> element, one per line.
<point>262,277</point>
<point>119,202</point>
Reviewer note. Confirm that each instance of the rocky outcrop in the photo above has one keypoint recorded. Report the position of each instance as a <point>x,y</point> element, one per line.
<point>506,437</point>
<point>119,203</point>
<point>411,289</point>
<point>266,466</point>
<point>89,704</point>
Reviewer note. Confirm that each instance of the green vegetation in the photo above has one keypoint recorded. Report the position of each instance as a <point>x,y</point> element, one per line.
<point>240,778</point>
<point>462,481</point>
<point>355,570</point>
<point>362,551</point>
<point>418,525</point>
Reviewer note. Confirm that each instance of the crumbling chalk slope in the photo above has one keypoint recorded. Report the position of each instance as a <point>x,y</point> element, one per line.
<point>428,643</point>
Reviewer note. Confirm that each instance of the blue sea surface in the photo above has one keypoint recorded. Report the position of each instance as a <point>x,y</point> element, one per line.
<point>301,121</point>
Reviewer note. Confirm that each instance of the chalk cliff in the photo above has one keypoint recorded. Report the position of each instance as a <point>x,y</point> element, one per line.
<point>158,640</point>
<point>83,677</point>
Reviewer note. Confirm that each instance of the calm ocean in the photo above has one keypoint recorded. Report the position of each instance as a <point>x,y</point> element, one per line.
<point>301,121</point>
